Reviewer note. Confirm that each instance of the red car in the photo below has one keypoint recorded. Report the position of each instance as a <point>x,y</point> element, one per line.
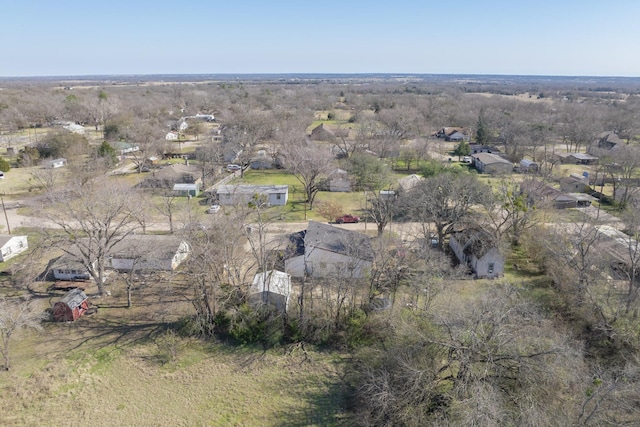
<point>346,219</point>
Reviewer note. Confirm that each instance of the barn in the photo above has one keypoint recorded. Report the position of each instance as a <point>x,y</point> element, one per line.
<point>73,305</point>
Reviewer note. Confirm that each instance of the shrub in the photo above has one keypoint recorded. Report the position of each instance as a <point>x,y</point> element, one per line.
<point>4,165</point>
<point>262,325</point>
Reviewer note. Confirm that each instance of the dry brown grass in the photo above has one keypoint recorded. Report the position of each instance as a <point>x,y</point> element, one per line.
<point>108,369</point>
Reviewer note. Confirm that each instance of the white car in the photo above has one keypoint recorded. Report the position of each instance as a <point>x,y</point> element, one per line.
<point>213,209</point>
<point>233,168</point>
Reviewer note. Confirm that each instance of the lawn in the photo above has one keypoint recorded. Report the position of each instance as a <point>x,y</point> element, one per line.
<point>296,208</point>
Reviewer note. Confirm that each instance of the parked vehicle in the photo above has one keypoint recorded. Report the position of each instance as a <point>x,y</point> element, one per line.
<point>347,219</point>
<point>213,209</point>
<point>233,168</point>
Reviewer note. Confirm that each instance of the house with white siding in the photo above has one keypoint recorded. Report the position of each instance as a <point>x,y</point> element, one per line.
<point>11,246</point>
<point>274,195</point>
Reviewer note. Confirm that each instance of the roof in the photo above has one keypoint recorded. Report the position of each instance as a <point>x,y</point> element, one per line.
<point>185,187</point>
<point>122,145</point>
<point>573,179</point>
<point>74,298</point>
<point>610,137</point>
<point>273,281</point>
<point>489,159</point>
<point>538,188</point>
<point>5,238</point>
<point>410,181</point>
<point>583,156</point>
<point>338,240</point>
<point>527,162</point>
<point>450,131</point>
<point>615,243</point>
<point>177,171</point>
<point>578,197</point>
<point>69,262</point>
<point>147,246</point>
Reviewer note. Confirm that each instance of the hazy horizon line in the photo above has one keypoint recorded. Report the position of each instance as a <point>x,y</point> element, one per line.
<point>404,74</point>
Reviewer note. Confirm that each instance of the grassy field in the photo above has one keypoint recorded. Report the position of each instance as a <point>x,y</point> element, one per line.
<point>115,367</point>
<point>295,209</point>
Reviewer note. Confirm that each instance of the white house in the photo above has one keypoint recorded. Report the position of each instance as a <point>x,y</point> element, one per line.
<point>11,246</point>
<point>478,250</point>
<point>171,136</point>
<point>69,267</point>
<point>274,195</point>
<point>123,148</point>
<point>332,252</point>
<point>271,287</point>
<point>148,252</point>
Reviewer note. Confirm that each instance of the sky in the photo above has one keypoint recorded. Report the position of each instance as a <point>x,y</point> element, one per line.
<point>508,37</point>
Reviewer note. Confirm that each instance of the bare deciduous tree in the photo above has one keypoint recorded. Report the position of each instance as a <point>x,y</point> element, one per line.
<point>444,200</point>
<point>16,315</point>
<point>499,346</point>
<point>90,220</point>
<point>309,163</point>
<point>508,212</point>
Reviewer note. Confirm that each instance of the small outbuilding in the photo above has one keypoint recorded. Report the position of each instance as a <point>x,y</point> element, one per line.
<point>271,287</point>
<point>55,163</point>
<point>186,189</point>
<point>72,306</point>
<point>528,166</point>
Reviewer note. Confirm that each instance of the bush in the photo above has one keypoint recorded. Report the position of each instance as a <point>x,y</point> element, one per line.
<point>4,165</point>
<point>168,344</point>
<point>250,326</point>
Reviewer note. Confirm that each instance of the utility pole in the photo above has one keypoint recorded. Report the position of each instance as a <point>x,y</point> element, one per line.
<point>5,214</point>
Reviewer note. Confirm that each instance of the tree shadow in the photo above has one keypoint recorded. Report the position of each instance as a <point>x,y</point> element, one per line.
<point>326,404</point>
<point>97,333</point>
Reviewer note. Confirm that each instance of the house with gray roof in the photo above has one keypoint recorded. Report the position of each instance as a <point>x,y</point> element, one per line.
<point>148,252</point>
<point>491,163</point>
<point>331,251</point>
<point>608,140</point>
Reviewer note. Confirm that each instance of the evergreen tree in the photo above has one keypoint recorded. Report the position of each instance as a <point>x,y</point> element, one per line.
<point>107,151</point>
<point>463,149</point>
<point>482,129</point>
<point>4,165</point>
